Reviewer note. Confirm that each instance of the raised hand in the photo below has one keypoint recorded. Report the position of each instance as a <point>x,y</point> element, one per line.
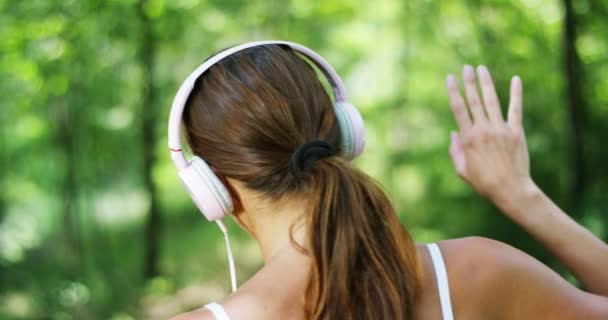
<point>489,153</point>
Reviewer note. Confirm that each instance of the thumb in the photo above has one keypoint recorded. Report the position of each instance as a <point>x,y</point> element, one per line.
<point>457,155</point>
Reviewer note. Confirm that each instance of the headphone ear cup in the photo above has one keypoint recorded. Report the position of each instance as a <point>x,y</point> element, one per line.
<point>352,129</point>
<point>207,191</point>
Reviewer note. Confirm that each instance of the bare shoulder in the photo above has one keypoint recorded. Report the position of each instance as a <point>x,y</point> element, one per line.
<point>510,284</point>
<point>472,245</point>
<point>200,314</point>
<point>484,255</point>
<point>241,305</point>
<point>476,261</point>
<point>471,264</point>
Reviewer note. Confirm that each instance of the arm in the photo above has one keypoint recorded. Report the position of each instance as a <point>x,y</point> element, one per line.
<point>491,154</point>
<point>574,246</point>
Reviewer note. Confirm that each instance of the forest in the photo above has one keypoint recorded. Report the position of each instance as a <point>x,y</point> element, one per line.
<point>94,222</point>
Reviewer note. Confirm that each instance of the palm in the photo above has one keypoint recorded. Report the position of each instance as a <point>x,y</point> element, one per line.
<point>488,152</point>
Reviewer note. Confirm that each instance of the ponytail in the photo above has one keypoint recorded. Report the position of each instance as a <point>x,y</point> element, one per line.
<point>364,263</point>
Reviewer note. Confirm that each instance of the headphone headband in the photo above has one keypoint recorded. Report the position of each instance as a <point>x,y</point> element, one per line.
<point>179,102</point>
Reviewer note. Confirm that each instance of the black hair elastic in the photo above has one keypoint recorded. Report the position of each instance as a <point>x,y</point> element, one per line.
<point>303,159</point>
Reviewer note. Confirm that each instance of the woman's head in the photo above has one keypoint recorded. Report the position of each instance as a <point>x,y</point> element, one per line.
<point>251,111</point>
<point>246,116</point>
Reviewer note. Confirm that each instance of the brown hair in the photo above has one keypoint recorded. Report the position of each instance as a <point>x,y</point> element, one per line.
<point>246,117</point>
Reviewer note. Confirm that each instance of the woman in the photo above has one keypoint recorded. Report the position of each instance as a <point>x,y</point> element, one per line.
<point>332,245</point>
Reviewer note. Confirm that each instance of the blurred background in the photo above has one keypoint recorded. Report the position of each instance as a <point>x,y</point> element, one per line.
<point>94,223</point>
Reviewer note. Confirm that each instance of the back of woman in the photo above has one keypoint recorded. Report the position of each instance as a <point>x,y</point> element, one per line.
<point>274,152</point>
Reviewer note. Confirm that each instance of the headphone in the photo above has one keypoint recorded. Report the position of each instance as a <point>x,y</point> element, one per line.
<point>206,189</point>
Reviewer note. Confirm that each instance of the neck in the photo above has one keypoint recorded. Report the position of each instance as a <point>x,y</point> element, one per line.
<point>272,223</point>
<point>274,227</point>
<point>276,232</point>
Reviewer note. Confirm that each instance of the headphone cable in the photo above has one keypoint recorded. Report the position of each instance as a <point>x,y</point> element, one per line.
<point>222,226</point>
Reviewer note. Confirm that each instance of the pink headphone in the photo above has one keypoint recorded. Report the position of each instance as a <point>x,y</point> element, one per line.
<point>208,192</point>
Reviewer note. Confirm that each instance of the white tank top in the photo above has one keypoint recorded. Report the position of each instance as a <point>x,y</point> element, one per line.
<point>442,285</point>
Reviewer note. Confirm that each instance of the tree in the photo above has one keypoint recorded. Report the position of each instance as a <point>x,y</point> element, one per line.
<point>146,53</point>
<point>576,106</point>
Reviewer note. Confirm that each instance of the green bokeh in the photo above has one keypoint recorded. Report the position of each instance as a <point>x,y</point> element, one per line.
<point>73,198</point>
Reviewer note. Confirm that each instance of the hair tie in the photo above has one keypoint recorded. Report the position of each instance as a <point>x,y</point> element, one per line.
<point>303,159</point>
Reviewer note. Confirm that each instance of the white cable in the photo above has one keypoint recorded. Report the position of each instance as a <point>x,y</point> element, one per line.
<point>222,226</point>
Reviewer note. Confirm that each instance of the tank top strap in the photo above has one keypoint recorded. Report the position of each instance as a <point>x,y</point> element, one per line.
<point>442,281</point>
<point>218,311</point>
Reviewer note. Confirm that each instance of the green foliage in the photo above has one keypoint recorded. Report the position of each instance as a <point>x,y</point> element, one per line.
<point>73,197</point>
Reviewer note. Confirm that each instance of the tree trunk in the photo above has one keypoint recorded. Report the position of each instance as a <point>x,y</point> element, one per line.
<point>3,164</point>
<point>146,56</point>
<point>3,169</point>
<point>575,106</point>
<point>65,139</point>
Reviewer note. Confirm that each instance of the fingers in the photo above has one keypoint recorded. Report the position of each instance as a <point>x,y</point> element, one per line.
<point>490,105</point>
<point>470,88</point>
<point>457,156</point>
<point>490,100</point>
<point>515,103</point>
<point>459,108</point>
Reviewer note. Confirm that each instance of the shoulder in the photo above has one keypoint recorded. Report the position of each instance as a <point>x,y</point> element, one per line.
<point>472,264</point>
<point>240,305</point>
<point>510,284</point>
<point>479,246</point>
<point>486,256</point>
<point>200,314</point>
<point>476,262</point>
